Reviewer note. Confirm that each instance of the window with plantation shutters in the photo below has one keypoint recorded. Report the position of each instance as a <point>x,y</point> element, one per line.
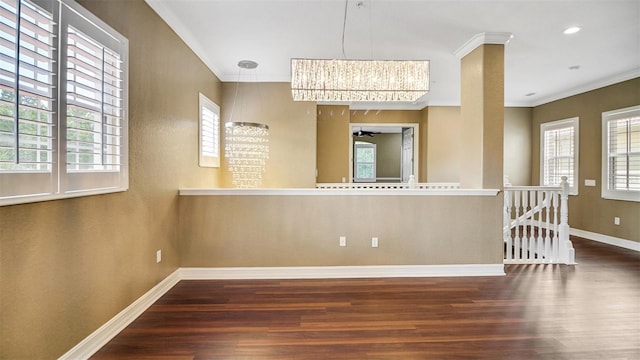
<point>209,143</point>
<point>621,154</point>
<point>63,129</point>
<point>559,153</point>
<point>27,97</point>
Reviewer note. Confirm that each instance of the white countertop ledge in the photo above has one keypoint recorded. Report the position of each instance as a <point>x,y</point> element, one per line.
<point>338,192</point>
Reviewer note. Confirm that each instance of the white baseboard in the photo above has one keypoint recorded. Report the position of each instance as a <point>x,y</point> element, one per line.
<point>96,340</point>
<point>341,272</point>
<point>623,243</point>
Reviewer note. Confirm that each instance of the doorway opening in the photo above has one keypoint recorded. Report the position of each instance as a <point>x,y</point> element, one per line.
<point>383,152</point>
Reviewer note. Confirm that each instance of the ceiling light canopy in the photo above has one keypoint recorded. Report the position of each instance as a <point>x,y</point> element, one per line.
<point>359,80</point>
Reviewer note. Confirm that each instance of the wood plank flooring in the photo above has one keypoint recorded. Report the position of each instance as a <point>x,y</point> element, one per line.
<point>590,311</point>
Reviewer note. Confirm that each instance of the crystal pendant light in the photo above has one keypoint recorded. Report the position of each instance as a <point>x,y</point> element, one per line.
<point>348,80</point>
<point>246,146</point>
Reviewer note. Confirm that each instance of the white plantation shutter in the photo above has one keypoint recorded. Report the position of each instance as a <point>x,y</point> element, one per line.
<point>621,154</point>
<point>559,153</point>
<point>93,147</point>
<point>27,97</point>
<point>209,133</point>
<point>63,129</point>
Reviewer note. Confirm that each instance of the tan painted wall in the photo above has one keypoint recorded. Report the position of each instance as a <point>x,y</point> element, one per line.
<point>292,131</point>
<point>333,147</point>
<point>445,144</point>
<point>482,113</point>
<point>440,153</point>
<point>68,266</point>
<point>388,154</point>
<point>517,145</point>
<point>229,231</point>
<point>333,143</point>
<point>588,211</point>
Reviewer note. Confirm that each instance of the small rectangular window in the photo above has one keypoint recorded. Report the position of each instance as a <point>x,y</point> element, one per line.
<point>209,133</point>
<point>365,162</point>
<point>559,153</point>
<point>621,154</point>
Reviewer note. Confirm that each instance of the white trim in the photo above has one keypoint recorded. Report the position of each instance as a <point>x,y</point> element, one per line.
<point>180,29</point>
<point>341,272</point>
<point>590,86</point>
<point>623,243</point>
<point>97,339</point>
<point>496,38</point>
<point>337,192</point>
<point>573,122</point>
<point>605,191</point>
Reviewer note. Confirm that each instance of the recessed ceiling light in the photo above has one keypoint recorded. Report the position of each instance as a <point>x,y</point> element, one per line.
<point>530,94</point>
<point>574,67</point>
<point>571,30</point>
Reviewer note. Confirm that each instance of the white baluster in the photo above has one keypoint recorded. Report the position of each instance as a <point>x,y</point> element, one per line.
<point>541,250</point>
<point>525,235</point>
<point>547,218</point>
<point>554,239</point>
<point>566,251</point>
<point>516,238</point>
<point>507,225</point>
<point>530,221</point>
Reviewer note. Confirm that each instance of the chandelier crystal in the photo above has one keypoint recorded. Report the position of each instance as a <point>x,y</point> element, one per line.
<point>359,80</point>
<point>247,150</point>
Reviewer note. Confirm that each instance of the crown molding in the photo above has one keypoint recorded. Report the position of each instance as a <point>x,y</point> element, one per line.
<point>183,32</point>
<point>590,86</point>
<point>496,38</point>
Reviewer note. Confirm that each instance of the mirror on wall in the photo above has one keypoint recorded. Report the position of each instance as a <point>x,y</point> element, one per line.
<point>383,152</point>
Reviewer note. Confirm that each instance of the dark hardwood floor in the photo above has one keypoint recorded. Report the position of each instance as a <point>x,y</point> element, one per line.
<point>587,311</point>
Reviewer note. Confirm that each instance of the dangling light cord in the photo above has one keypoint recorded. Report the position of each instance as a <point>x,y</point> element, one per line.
<point>344,26</point>
<point>370,30</point>
<point>235,96</point>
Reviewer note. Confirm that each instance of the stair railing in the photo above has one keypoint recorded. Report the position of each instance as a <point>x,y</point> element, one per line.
<point>536,228</point>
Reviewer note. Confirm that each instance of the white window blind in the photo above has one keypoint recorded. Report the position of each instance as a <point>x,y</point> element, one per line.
<point>62,102</point>
<point>559,153</point>
<point>209,133</point>
<point>621,154</point>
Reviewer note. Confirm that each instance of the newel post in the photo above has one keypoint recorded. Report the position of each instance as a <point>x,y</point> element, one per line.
<point>567,253</point>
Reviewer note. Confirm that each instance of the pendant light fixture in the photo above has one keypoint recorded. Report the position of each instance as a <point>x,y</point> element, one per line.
<point>246,145</point>
<point>342,80</point>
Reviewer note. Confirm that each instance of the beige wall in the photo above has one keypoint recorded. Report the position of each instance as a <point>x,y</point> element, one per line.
<point>388,153</point>
<point>68,266</point>
<point>482,114</point>
<point>230,231</point>
<point>334,141</point>
<point>444,144</point>
<point>588,211</point>
<point>517,145</point>
<point>292,131</point>
<point>440,141</point>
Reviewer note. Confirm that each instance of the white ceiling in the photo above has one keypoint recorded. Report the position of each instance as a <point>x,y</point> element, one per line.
<point>537,59</point>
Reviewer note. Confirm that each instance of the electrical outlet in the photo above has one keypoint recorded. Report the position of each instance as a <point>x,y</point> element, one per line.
<point>616,220</point>
<point>589,182</point>
<point>374,242</point>
<point>343,241</point>
<point>158,256</point>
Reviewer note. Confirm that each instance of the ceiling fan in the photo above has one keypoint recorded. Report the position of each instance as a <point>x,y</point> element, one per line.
<point>363,133</point>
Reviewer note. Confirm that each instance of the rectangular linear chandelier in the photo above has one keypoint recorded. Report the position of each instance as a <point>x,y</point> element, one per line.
<point>359,80</point>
